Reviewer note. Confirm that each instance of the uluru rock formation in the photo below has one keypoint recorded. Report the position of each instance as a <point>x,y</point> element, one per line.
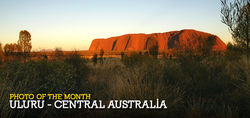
<point>165,41</point>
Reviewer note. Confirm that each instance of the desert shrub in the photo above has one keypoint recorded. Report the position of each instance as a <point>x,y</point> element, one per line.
<point>215,85</point>
<point>94,59</point>
<point>135,59</point>
<point>45,75</point>
<point>212,84</point>
<point>81,69</point>
<point>55,76</point>
<point>101,56</point>
<point>58,54</point>
<point>141,81</point>
<point>154,51</point>
<point>122,56</point>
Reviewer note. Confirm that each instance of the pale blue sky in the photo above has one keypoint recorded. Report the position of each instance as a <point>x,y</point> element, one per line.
<point>73,24</point>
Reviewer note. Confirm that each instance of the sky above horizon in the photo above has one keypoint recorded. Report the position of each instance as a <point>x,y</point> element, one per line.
<point>73,24</point>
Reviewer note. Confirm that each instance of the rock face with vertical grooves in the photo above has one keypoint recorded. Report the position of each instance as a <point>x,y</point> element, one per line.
<point>165,41</point>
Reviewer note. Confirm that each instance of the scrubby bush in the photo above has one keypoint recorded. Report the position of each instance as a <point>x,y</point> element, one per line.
<point>81,69</point>
<point>94,59</point>
<point>58,54</point>
<point>55,76</point>
<point>135,59</point>
<point>101,56</point>
<point>122,56</point>
<point>211,85</point>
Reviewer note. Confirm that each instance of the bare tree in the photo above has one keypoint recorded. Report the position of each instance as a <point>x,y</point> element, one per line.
<point>25,41</point>
<point>236,16</point>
